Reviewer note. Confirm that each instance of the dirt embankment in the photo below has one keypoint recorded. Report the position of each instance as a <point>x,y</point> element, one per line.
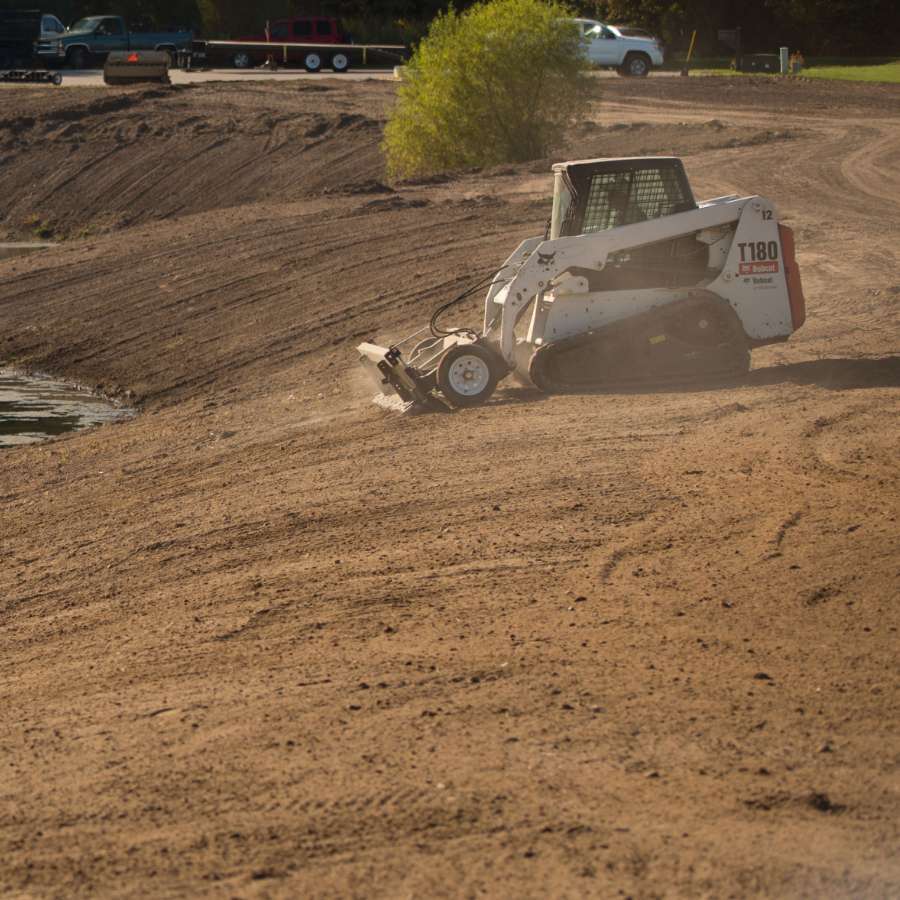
<point>99,159</point>
<point>91,160</point>
<point>266,640</point>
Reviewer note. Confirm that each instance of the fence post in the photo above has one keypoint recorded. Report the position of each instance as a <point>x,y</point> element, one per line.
<point>690,53</point>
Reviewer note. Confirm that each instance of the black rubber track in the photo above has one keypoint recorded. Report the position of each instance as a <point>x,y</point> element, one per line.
<point>690,340</point>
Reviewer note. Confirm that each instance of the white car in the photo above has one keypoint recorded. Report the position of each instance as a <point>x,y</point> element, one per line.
<point>630,50</point>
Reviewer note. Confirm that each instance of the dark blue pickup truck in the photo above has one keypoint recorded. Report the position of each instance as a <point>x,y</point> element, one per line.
<point>90,40</point>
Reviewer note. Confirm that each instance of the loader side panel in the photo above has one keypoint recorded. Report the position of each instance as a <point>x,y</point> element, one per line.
<point>792,274</point>
<point>754,277</point>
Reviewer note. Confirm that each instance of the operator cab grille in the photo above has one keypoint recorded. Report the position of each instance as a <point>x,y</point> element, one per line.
<point>609,193</point>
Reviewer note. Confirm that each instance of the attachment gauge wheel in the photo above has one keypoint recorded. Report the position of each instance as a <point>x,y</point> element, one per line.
<point>467,375</point>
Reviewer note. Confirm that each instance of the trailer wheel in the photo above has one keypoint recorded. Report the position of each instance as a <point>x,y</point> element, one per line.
<point>242,60</point>
<point>312,62</point>
<point>56,78</point>
<point>467,374</point>
<point>77,58</point>
<point>340,62</point>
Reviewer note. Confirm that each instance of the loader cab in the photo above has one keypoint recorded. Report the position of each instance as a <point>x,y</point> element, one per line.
<point>598,194</point>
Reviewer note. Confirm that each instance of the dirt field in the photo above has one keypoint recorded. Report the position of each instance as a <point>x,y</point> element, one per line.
<point>268,640</point>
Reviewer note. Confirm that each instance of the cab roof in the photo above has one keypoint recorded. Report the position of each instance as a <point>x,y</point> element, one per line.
<point>618,163</point>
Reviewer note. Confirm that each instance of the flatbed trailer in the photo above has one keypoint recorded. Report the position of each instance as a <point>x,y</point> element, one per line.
<point>312,57</point>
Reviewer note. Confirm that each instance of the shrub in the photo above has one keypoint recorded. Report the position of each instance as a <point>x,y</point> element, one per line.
<point>496,84</point>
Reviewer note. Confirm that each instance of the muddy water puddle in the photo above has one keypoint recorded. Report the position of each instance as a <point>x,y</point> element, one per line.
<point>33,409</point>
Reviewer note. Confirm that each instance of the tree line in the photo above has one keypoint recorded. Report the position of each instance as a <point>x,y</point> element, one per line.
<point>817,27</point>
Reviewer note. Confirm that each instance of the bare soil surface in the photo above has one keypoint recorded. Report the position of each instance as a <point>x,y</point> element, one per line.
<point>269,640</point>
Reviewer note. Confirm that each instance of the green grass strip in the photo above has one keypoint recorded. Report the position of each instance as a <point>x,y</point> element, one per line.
<point>888,73</point>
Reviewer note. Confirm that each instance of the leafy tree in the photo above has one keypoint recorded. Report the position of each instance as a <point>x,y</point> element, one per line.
<point>495,84</point>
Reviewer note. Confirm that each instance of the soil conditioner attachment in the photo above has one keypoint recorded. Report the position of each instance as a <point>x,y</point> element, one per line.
<point>634,283</point>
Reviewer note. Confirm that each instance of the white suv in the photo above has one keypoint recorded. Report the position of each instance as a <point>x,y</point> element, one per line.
<point>629,50</point>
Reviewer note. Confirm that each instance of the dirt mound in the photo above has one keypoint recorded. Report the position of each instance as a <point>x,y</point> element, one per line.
<point>111,161</point>
<point>592,139</point>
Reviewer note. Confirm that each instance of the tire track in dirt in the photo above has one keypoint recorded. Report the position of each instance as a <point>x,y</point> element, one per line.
<point>874,169</point>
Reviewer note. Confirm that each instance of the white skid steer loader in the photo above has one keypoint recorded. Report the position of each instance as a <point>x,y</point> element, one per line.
<point>634,283</point>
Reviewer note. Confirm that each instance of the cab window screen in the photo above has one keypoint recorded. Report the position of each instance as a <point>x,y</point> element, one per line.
<point>302,29</point>
<point>623,198</point>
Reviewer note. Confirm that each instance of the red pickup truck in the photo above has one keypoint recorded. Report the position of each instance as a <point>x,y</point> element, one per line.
<point>303,30</point>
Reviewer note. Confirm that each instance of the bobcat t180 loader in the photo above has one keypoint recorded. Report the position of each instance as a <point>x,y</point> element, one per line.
<point>634,282</point>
